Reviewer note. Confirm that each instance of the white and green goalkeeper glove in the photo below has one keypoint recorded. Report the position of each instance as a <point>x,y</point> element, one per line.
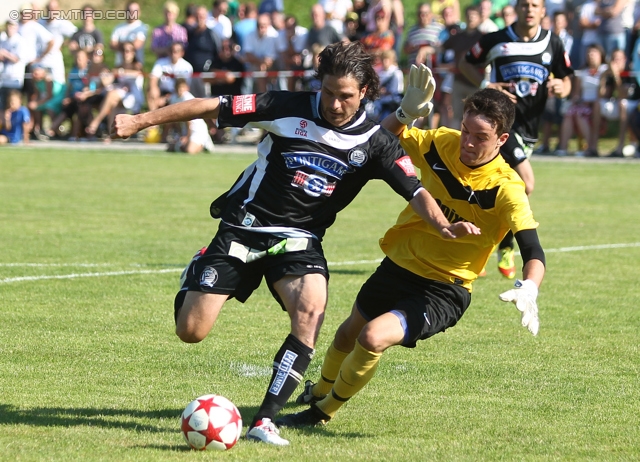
<point>417,97</point>
<point>524,297</point>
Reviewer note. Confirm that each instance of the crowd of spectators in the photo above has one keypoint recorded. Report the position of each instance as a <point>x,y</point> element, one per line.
<point>230,47</point>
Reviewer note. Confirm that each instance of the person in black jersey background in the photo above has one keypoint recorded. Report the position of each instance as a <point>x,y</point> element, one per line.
<point>319,151</point>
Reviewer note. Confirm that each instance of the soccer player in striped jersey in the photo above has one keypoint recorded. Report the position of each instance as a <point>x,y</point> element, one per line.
<point>423,285</point>
<point>527,64</point>
<point>319,151</point>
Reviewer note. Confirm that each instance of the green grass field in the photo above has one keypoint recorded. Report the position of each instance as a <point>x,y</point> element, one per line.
<point>93,243</point>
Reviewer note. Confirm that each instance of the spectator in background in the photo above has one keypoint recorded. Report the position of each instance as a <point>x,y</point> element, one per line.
<point>196,139</point>
<point>320,32</point>
<point>369,17</point>
<point>46,99</point>
<point>163,36</point>
<point>134,31</point>
<point>336,13</point>
<point>261,50</point>
<point>269,6</point>
<point>15,121</point>
<point>11,56</point>
<point>38,43</point>
<point>507,17</point>
<point>438,7</point>
<point>486,23</point>
<point>78,82</point>
<point>351,31</point>
<point>360,8</point>
<point>382,39</point>
<point>246,25</point>
<point>396,24</point>
<point>458,45</point>
<point>452,25</point>
<point>391,87</point>
<point>585,96</point>
<point>589,24</point>
<point>127,91</point>
<point>163,75</point>
<point>202,50</point>
<point>611,32</point>
<point>190,21</point>
<point>556,107</point>
<point>61,29</point>
<point>88,37</point>
<point>295,41</point>
<point>218,21</point>
<point>423,39</point>
<point>615,89</point>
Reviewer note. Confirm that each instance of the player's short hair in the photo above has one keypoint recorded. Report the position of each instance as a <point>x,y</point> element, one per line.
<point>350,59</point>
<point>493,105</point>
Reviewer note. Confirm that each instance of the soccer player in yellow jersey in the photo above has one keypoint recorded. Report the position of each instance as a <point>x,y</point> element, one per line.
<point>423,285</point>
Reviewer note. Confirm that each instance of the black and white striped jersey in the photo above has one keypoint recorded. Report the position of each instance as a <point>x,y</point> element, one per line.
<point>527,66</point>
<point>307,170</point>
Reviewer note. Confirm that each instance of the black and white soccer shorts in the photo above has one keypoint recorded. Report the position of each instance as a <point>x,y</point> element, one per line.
<point>516,150</point>
<point>424,307</point>
<point>236,261</point>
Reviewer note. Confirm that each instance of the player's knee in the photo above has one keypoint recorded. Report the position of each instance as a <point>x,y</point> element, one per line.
<point>188,335</point>
<point>372,339</point>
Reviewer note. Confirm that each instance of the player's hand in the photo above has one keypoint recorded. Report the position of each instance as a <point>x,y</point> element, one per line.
<point>555,86</point>
<point>417,97</point>
<point>504,87</point>
<point>460,229</point>
<point>123,127</point>
<point>524,297</point>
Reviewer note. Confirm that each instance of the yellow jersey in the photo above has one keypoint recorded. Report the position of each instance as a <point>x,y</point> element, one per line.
<point>491,196</point>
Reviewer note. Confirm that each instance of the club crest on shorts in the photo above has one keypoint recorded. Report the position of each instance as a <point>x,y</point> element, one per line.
<point>209,277</point>
<point>357,157</point>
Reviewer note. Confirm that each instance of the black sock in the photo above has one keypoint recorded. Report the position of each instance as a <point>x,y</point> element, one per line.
<point>289,366</point>
<point>507,241</point>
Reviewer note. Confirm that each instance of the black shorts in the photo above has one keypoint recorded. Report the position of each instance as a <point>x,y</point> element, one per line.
<point>516,150</point>
<point>424,307</point>
<point>217,271</point>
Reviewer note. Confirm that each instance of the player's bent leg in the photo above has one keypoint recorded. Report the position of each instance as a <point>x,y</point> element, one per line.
<point>305,299</point>
<point>198,315</point>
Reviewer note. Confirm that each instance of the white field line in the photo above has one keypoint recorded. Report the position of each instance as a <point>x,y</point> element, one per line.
<point>176,270</point>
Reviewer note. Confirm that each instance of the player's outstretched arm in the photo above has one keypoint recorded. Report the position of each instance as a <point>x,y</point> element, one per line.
<point>427,208</point>
<point>416,101</point>
<point>126,125</point>
<point>525,294</point>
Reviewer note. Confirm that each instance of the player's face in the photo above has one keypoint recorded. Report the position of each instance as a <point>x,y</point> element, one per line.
<point>479,142</point>
<point>340,99</point>
<point>530,12</point>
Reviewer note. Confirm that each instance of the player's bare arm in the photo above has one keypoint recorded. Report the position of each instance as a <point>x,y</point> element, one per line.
<point>560,87</point>
<point>126,125</point>
<point>427,208</point>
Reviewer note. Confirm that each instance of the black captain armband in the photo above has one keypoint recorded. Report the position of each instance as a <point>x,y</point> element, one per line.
<point>530,248</point>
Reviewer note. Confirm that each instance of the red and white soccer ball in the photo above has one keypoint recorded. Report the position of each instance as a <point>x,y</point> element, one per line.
<point>211,422</point>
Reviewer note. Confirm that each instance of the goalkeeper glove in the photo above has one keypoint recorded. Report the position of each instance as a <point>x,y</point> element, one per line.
<point>524,297</point>
<point>417,97</point>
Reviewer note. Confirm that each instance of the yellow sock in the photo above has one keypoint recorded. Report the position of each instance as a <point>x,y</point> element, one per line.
<point>356,371</point>
<point>330,368</point>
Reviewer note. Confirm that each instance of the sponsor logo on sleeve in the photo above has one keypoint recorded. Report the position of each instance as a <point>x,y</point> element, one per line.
<point>244,104</point>
<point>406,165</point>
<point>476,50</point>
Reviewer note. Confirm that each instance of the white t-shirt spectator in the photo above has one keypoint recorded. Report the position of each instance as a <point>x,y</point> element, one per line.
<point>12,74</point>
<point>221,26</point>
<point>130,32</point>
<point>589,36</point>
<point>36,38</point>
<point>60,29</point>
<point>164,66</point>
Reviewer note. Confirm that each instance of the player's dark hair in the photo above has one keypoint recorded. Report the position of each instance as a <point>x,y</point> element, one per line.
<point>494,106</point>
<point>350,59</point>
